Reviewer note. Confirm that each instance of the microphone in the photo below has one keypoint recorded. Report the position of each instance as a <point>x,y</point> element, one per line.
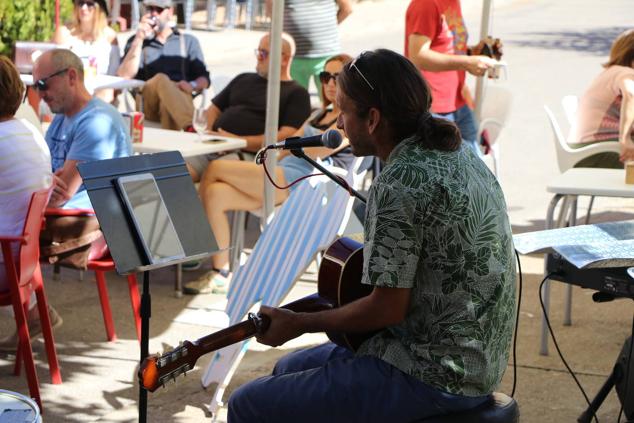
<point>331,139</point>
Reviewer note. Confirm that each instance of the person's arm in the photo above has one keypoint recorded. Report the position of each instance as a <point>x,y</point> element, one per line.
<point>626,122</point>
<point>345,9</point>
<point>382,308</point>
<point>61,35</point>
<point>268,7</point>
<point>213,113</point>
<point>201,83</point>
<point>95,137</point>
<point>129,67</point>
<point>132,60</point>
<point>423,57</point>
<point>66,181</point>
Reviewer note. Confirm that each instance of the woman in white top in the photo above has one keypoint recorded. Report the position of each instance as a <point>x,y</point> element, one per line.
<point>606,109</point>
<point>90,37</point>
<point>25,167</point>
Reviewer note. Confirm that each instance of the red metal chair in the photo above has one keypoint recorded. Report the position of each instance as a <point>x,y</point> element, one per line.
<point>100,267</point>
<point>24,277</point>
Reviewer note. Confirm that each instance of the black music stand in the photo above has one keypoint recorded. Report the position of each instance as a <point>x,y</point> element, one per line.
<point>123,241</point>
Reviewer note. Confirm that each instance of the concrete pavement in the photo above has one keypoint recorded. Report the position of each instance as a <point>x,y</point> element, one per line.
<point>553,49</point>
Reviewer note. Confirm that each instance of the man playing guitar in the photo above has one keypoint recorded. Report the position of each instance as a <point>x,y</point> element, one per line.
<point>438,252</point>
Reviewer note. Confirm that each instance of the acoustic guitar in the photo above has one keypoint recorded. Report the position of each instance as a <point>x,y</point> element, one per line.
<point>339,283</point>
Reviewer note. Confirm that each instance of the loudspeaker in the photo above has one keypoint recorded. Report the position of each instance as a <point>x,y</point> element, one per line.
<point>625,379</point>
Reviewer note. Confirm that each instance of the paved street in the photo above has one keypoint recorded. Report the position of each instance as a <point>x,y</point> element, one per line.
<point>553,48</point>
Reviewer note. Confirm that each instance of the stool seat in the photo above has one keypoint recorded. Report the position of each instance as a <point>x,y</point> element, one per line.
<point>499,409</point>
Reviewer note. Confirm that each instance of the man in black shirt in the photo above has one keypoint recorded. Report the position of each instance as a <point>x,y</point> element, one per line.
<point>239,110</point>
<point>172,64</point>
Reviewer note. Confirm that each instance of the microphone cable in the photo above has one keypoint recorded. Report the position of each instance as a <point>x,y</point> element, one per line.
<point>260,158</point>
<point>561,356</point>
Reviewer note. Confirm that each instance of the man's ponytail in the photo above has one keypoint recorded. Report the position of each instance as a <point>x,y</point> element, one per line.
<point>437,133</point>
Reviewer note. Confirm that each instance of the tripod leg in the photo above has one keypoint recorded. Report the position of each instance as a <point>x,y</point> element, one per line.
<point>586,416</point>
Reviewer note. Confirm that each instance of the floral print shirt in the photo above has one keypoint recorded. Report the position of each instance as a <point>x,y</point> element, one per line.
<point>436,222</point>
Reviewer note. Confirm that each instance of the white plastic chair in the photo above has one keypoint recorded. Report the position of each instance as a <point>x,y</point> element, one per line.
<point>307,222</point>
<point>570,103</point>
<point>568,157</point>
<point>495,112</point>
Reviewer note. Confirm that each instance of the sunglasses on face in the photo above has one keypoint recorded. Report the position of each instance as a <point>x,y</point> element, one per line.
<point>157,9</point>
<point>42,85</point>
<point>88,3</point>
<point>261,54</point>
<point>325,77</point>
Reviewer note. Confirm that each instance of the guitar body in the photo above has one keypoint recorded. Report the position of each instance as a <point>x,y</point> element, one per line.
<point>340,283</point>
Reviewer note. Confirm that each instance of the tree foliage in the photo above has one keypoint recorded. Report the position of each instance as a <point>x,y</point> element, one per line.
<point>32,20</point>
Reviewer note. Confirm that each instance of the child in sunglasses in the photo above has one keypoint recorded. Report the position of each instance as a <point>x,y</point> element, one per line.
<point>89,37</point>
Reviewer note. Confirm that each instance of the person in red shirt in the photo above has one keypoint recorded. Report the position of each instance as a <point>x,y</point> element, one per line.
<point>436,42</point>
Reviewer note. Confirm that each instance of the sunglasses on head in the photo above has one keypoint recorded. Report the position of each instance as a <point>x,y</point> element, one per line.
<point>88,3</point>
<point>325,77</point>
<point>353,64</point>
<point>42,85</point>
<point>157,9</point>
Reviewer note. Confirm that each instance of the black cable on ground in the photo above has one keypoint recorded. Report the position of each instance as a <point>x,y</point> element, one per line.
<point>552,335</point>
<point>517,322</point>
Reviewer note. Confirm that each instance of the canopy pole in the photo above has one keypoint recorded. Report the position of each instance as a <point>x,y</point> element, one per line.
<point>485,31</point>
<point>273,102</point>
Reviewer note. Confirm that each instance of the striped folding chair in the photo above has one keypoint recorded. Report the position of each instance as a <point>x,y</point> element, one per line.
<point>308,221</point>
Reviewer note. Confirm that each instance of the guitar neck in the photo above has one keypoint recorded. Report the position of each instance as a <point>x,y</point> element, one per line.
<point>234,333</point>
<point>255,324</point>
<point>183,358</point>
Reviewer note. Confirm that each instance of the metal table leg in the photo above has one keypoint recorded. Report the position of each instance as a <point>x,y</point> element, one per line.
<point>568,297</point>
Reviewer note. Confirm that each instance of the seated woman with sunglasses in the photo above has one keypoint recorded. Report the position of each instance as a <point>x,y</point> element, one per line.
<point>90,38</point>
<point>238,185</point>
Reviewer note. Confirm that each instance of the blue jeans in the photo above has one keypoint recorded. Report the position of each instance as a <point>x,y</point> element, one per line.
<point>465,121</point>
<point>328,383</point>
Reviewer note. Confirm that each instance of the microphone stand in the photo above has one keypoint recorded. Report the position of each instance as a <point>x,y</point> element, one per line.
<point>298,152</point>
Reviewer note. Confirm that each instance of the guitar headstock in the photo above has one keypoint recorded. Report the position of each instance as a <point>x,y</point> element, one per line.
<point>156,370</point>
